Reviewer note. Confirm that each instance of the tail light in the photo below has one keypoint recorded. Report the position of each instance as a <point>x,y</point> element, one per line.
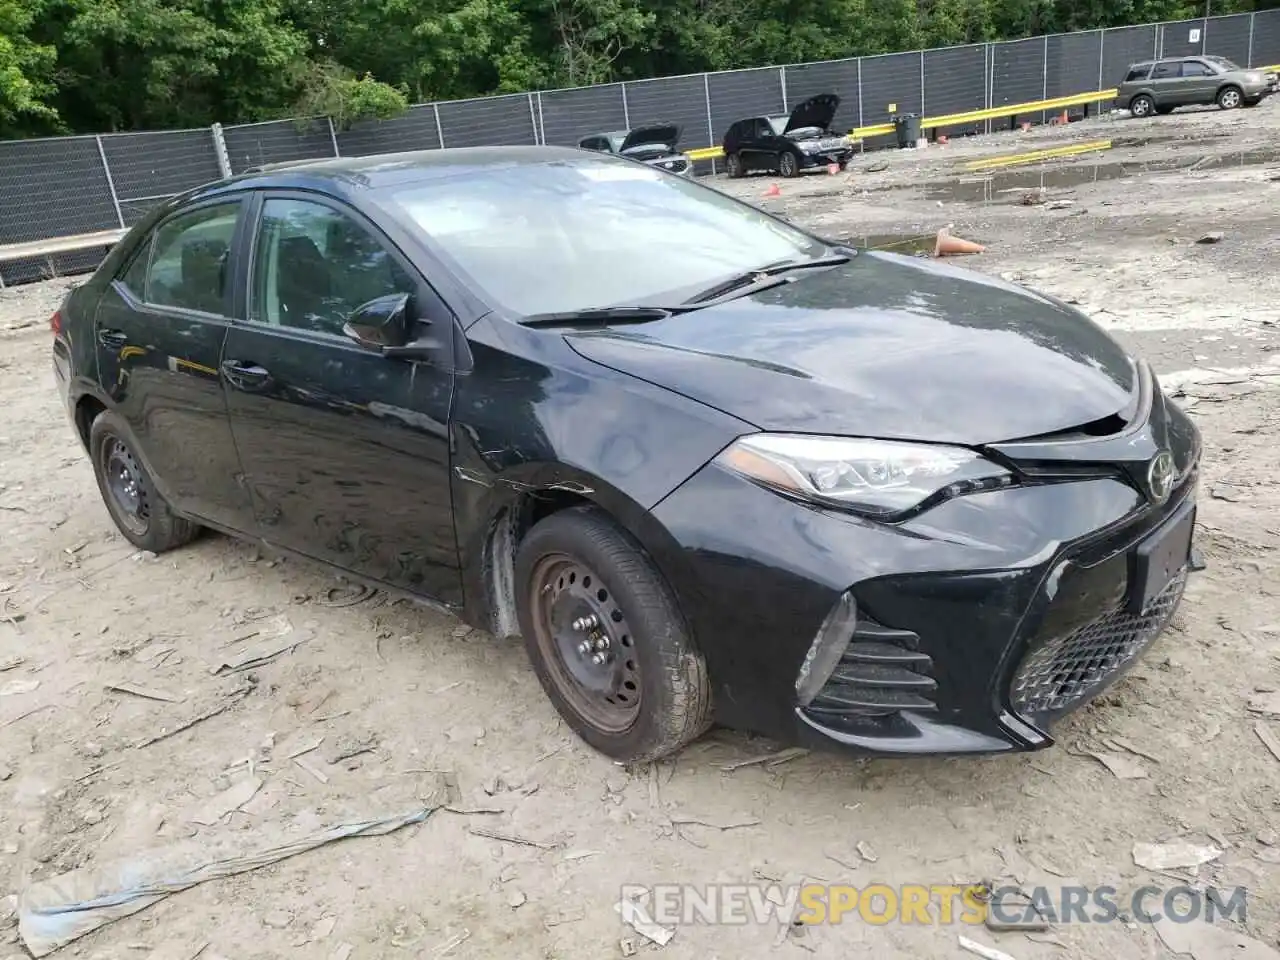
<point>55,323</point>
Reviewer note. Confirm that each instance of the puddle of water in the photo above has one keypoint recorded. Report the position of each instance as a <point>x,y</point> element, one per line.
<point>1006,186</point>
<point>904,243</point>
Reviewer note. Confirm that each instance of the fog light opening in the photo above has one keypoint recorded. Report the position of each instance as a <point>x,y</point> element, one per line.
<point>828,647</point>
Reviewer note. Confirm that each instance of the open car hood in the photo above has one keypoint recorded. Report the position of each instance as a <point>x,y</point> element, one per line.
<point>656,134</point>
<point>817,111</point>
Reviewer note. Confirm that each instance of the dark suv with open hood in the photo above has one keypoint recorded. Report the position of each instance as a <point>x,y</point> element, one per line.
<point>788,143</point>
<point>654,144</point>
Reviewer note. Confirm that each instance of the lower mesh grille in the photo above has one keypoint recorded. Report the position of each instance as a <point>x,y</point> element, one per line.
<point>1065,670</point>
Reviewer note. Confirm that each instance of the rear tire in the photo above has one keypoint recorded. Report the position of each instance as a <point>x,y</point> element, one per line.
<point>649,695</point>
<point>136,508</point>
<point>733,166</point>
<point>1142,106</point>
<point>788,165</point>
<point>1230,97</point>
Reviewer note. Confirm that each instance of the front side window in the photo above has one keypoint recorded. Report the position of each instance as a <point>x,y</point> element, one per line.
<point>1194,69</point>
<point>313,266</point>
<point>189,265</point>
<point>590,232</point>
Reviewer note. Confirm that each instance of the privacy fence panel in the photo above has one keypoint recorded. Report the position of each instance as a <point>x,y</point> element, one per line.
<point>1072,61</point>
<point>1266,39</point>
<point>148,168</point>
<point>1123,47</point>
<point>51,188</point>
<point>1017,72</point>
<point>890,81</point>
<point>569,115</point>
<point>489,121</point>
<point>415,129</point>
<point>678,100</point>
<point>1184,38</point>
<point>278,141</point>
<point>743,93</point>
<point>1229,37</point>
<point>955,81</point>
<point>840,77</point>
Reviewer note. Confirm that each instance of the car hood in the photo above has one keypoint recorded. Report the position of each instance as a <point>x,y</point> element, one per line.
<point>884,346</point>
<point>817,111</point>
<point>657,134</point>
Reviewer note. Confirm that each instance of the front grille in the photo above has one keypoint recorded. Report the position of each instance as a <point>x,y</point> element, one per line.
<point>881,672</point>
<point>1064,671</point>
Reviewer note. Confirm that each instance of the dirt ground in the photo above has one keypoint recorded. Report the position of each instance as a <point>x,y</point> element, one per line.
<point>82,612</point>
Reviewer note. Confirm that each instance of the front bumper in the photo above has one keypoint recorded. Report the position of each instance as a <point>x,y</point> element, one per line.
<point>980,622</point>
<point>824,158</point>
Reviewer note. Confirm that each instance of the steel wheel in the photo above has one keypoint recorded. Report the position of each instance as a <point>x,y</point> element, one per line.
<point>583,637</point>
<point>1229,99</point>
<point>787,165</point>
<point>128,492</point>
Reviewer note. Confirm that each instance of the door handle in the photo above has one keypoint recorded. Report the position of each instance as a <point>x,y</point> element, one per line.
<point>246,376</point>
<point>112,339</point>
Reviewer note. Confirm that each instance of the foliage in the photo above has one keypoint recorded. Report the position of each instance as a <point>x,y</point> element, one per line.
<point>96,65</point>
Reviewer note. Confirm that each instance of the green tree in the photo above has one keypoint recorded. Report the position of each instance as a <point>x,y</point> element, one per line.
<point>26,73</point>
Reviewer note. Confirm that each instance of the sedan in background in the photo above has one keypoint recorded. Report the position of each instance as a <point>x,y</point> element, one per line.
<point>789,143</point>
<point>845,498</point>
<point>654,144</point>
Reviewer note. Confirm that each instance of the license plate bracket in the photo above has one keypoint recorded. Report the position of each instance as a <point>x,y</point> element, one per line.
<point>1159,557</point>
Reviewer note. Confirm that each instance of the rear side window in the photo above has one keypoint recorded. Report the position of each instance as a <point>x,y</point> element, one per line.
<point>1138,73</point>
<point>189,265</point>
<point>1165,71</point>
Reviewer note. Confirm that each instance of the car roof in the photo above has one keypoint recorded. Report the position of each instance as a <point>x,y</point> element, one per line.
<point>345,175</point>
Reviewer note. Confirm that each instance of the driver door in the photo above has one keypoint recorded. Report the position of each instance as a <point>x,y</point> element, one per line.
<point>345,451</point>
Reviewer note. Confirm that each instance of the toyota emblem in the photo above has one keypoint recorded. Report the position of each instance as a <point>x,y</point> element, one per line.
<point>1160,476</point>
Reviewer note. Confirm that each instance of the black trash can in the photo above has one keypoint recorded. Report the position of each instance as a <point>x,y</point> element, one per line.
<point>908,127</point>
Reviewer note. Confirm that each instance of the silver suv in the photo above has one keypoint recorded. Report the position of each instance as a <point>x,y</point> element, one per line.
<point>1161,86</point>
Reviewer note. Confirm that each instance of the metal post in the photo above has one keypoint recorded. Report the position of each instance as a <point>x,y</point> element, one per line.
<point>862,143</point>
<point>1252,17</point>
<point>1044,78</point>
<point>1102,44</point>
<point>220,150</point>
<point>435,108</point>
<point>626,110</point>
<point>333,137</point>
<point>782,79</point>
<point>922,110</point>
<point>991,81</point>
<point>539,131</point>
<point>1155,53</point>
<point>111,184</point>
<point>1204,31</point>
<point>711,130</point>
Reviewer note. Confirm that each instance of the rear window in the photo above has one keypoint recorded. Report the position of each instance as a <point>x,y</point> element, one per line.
<point>1137,73</point>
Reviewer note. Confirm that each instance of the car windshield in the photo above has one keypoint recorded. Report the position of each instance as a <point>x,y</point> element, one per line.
<point>591,232</point>
<point>1224,62</point>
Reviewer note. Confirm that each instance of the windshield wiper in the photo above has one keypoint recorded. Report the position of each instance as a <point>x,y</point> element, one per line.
<point>597,315</point>
<point>769,275</point>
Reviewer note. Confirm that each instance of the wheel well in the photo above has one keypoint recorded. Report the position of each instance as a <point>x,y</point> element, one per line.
<point>508,530</point>
<point>87,410</point>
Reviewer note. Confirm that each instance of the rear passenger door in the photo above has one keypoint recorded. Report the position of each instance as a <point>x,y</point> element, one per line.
<point>1166,83</point>
<point>159,331</point>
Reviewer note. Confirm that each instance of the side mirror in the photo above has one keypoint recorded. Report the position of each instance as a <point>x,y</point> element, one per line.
<point>380,323</point>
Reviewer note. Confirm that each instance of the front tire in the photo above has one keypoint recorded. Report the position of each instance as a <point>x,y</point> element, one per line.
<point>136,507</point>
<point>1142,106</point>
<point>1230,97</point>
<point>788,165</point>
<point>606,639</point>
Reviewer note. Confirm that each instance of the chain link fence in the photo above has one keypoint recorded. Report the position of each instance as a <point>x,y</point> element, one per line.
<point>63,186</point>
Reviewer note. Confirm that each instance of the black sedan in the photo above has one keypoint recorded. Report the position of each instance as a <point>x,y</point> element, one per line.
<point>832,496</point>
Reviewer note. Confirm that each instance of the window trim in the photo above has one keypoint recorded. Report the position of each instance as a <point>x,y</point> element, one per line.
<point>441,316</point>
<point>241,198</point>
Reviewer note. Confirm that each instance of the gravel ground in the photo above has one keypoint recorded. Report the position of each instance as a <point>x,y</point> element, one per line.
<point>413,694</point>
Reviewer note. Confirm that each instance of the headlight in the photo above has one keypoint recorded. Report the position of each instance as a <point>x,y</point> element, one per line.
<point>877,478</point>
<point>810,146</point>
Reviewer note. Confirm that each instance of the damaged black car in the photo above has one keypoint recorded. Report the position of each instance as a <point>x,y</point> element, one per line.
<point>790,143</point>
<point>844,498</point>
<point>654,144</point>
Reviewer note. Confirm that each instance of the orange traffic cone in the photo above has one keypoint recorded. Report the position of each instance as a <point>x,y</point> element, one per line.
<point>833,168</point>
<point>946,245</point>
<point>943,139</point>
<point>1026,126</point>
<point>773,191</point>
